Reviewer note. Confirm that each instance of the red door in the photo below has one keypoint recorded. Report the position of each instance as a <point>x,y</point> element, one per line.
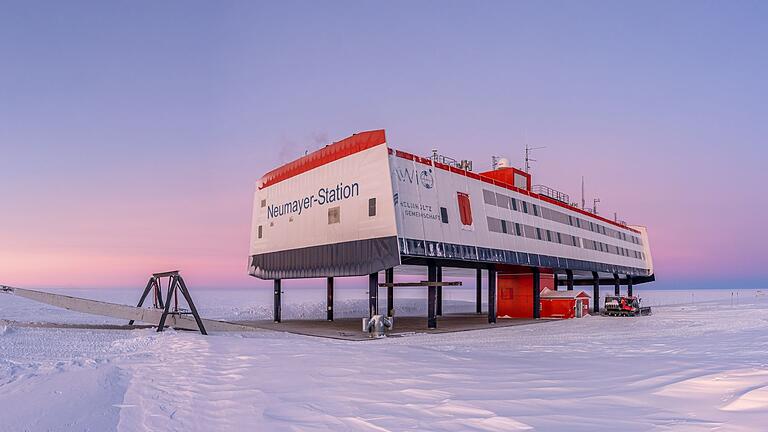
<point>465,209</point>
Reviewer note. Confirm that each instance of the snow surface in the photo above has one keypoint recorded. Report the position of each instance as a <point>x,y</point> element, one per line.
<point>697,366</point>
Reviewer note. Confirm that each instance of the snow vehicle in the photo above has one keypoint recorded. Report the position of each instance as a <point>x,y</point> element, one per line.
<point>624,306</point>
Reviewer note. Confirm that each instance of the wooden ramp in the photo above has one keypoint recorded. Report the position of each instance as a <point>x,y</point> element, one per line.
<point>113,310</point>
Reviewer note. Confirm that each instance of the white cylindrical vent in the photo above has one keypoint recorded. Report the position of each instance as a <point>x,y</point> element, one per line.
<point>502,163</point>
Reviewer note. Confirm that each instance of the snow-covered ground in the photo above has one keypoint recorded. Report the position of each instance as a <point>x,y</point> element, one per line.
<point>700,363</point>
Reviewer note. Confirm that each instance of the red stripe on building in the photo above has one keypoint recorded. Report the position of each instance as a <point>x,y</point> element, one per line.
<point>332,152</point>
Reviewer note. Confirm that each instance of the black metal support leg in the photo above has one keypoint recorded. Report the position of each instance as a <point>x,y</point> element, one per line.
<point>278,293</point>
<point>329,299</point>
<point>159,293</point>
<point>373,294</point>
<point>491,295</point>
<point>536,292</point>
<point>569,279</point>
<point>192,308</point>
<point>616,284</point>
<point>479,291</point>
<point>431,297</point>
<point>595,293</point>
<point>629,286</point>
<point>389,277</point>
<point>144,295</point>
<point>171,286</point>
<point>439,292</point>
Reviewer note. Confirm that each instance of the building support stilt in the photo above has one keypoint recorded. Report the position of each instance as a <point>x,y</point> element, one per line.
<point>389,277</point>
<point>536,292</point>
<point>431,297</point>
<point>439,292</point>
<point>278,292</point>
<point>479,291</point>
<point>616,284</point>
<point>629,286</point>
<point>595,293</point>
<point>373,294</point>
<point>491,295</point>
<point>329,286</point>
<point>569,279</point>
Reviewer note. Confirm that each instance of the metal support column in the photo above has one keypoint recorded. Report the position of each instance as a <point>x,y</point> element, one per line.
<point>439,292</point>
<point>479,291</point>
<point>595,293</point>
<point>616,284</point>
<point>191,304</point>
<point>389,277</point>
<point>278,292</point>
<point>431,296</point>
<point>329,286</point>
<point>536,292</point>
<point>491,295</point>
<point>166,310</point>
<point>629,285</point>
<point>569,279</point>
<point>373,294</point>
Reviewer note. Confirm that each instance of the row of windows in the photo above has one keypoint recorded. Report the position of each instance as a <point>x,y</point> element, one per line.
<point>616,250</point>
<point>507,202</point>
<point>536,233</point>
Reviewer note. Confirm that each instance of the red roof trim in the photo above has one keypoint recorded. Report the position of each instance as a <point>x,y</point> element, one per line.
<point>498,183</point>
<point>332,152</point>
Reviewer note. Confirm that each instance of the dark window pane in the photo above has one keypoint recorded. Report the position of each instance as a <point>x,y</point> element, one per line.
<point>444,214</point>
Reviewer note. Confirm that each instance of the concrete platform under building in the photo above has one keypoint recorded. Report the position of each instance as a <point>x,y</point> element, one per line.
<point>350,328</point>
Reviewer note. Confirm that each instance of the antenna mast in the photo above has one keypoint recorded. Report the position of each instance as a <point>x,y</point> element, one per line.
<point>594,203</point>
<point>528,159</point>
<point>583,204</point>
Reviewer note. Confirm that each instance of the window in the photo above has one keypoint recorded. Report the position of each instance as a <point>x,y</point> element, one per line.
<point>576,241</point>
<point>535,210</point>
<point>559,238</point>
<point>372,207</point>
<point>518,230</point>
<point>494,225</point>
<point>260,229</point>
<point>525,206</point>
<point>334,215</point>
<point>263,203</point>
<point>444,214</point>
<point>549,235</point>
<point>514,204</point>
<point>489,197</point>
<point>538,233</point>
<point>502,201</point>
<point>504,226</point>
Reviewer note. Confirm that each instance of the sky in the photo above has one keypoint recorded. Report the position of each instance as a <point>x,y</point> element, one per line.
<point>132,133</point>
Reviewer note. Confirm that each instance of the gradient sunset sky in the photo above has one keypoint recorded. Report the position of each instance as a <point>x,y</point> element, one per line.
<point>131,133</point>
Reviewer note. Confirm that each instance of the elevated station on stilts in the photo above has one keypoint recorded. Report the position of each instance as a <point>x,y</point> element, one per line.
<point>359,207</point>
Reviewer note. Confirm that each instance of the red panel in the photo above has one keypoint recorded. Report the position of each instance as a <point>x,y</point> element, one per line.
<point>348,146</point>
<point>557,308</point>
<point>465,209</point>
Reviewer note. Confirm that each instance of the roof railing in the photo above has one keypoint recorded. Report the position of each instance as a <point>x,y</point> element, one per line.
<point>552,193</point>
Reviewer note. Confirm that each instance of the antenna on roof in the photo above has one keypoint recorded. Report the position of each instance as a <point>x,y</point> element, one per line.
<point>594,203</point>
<point>528,158</point>
<point>583,204</point>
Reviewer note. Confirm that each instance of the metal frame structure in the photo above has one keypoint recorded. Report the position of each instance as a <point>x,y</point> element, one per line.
<point>174,285</point>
